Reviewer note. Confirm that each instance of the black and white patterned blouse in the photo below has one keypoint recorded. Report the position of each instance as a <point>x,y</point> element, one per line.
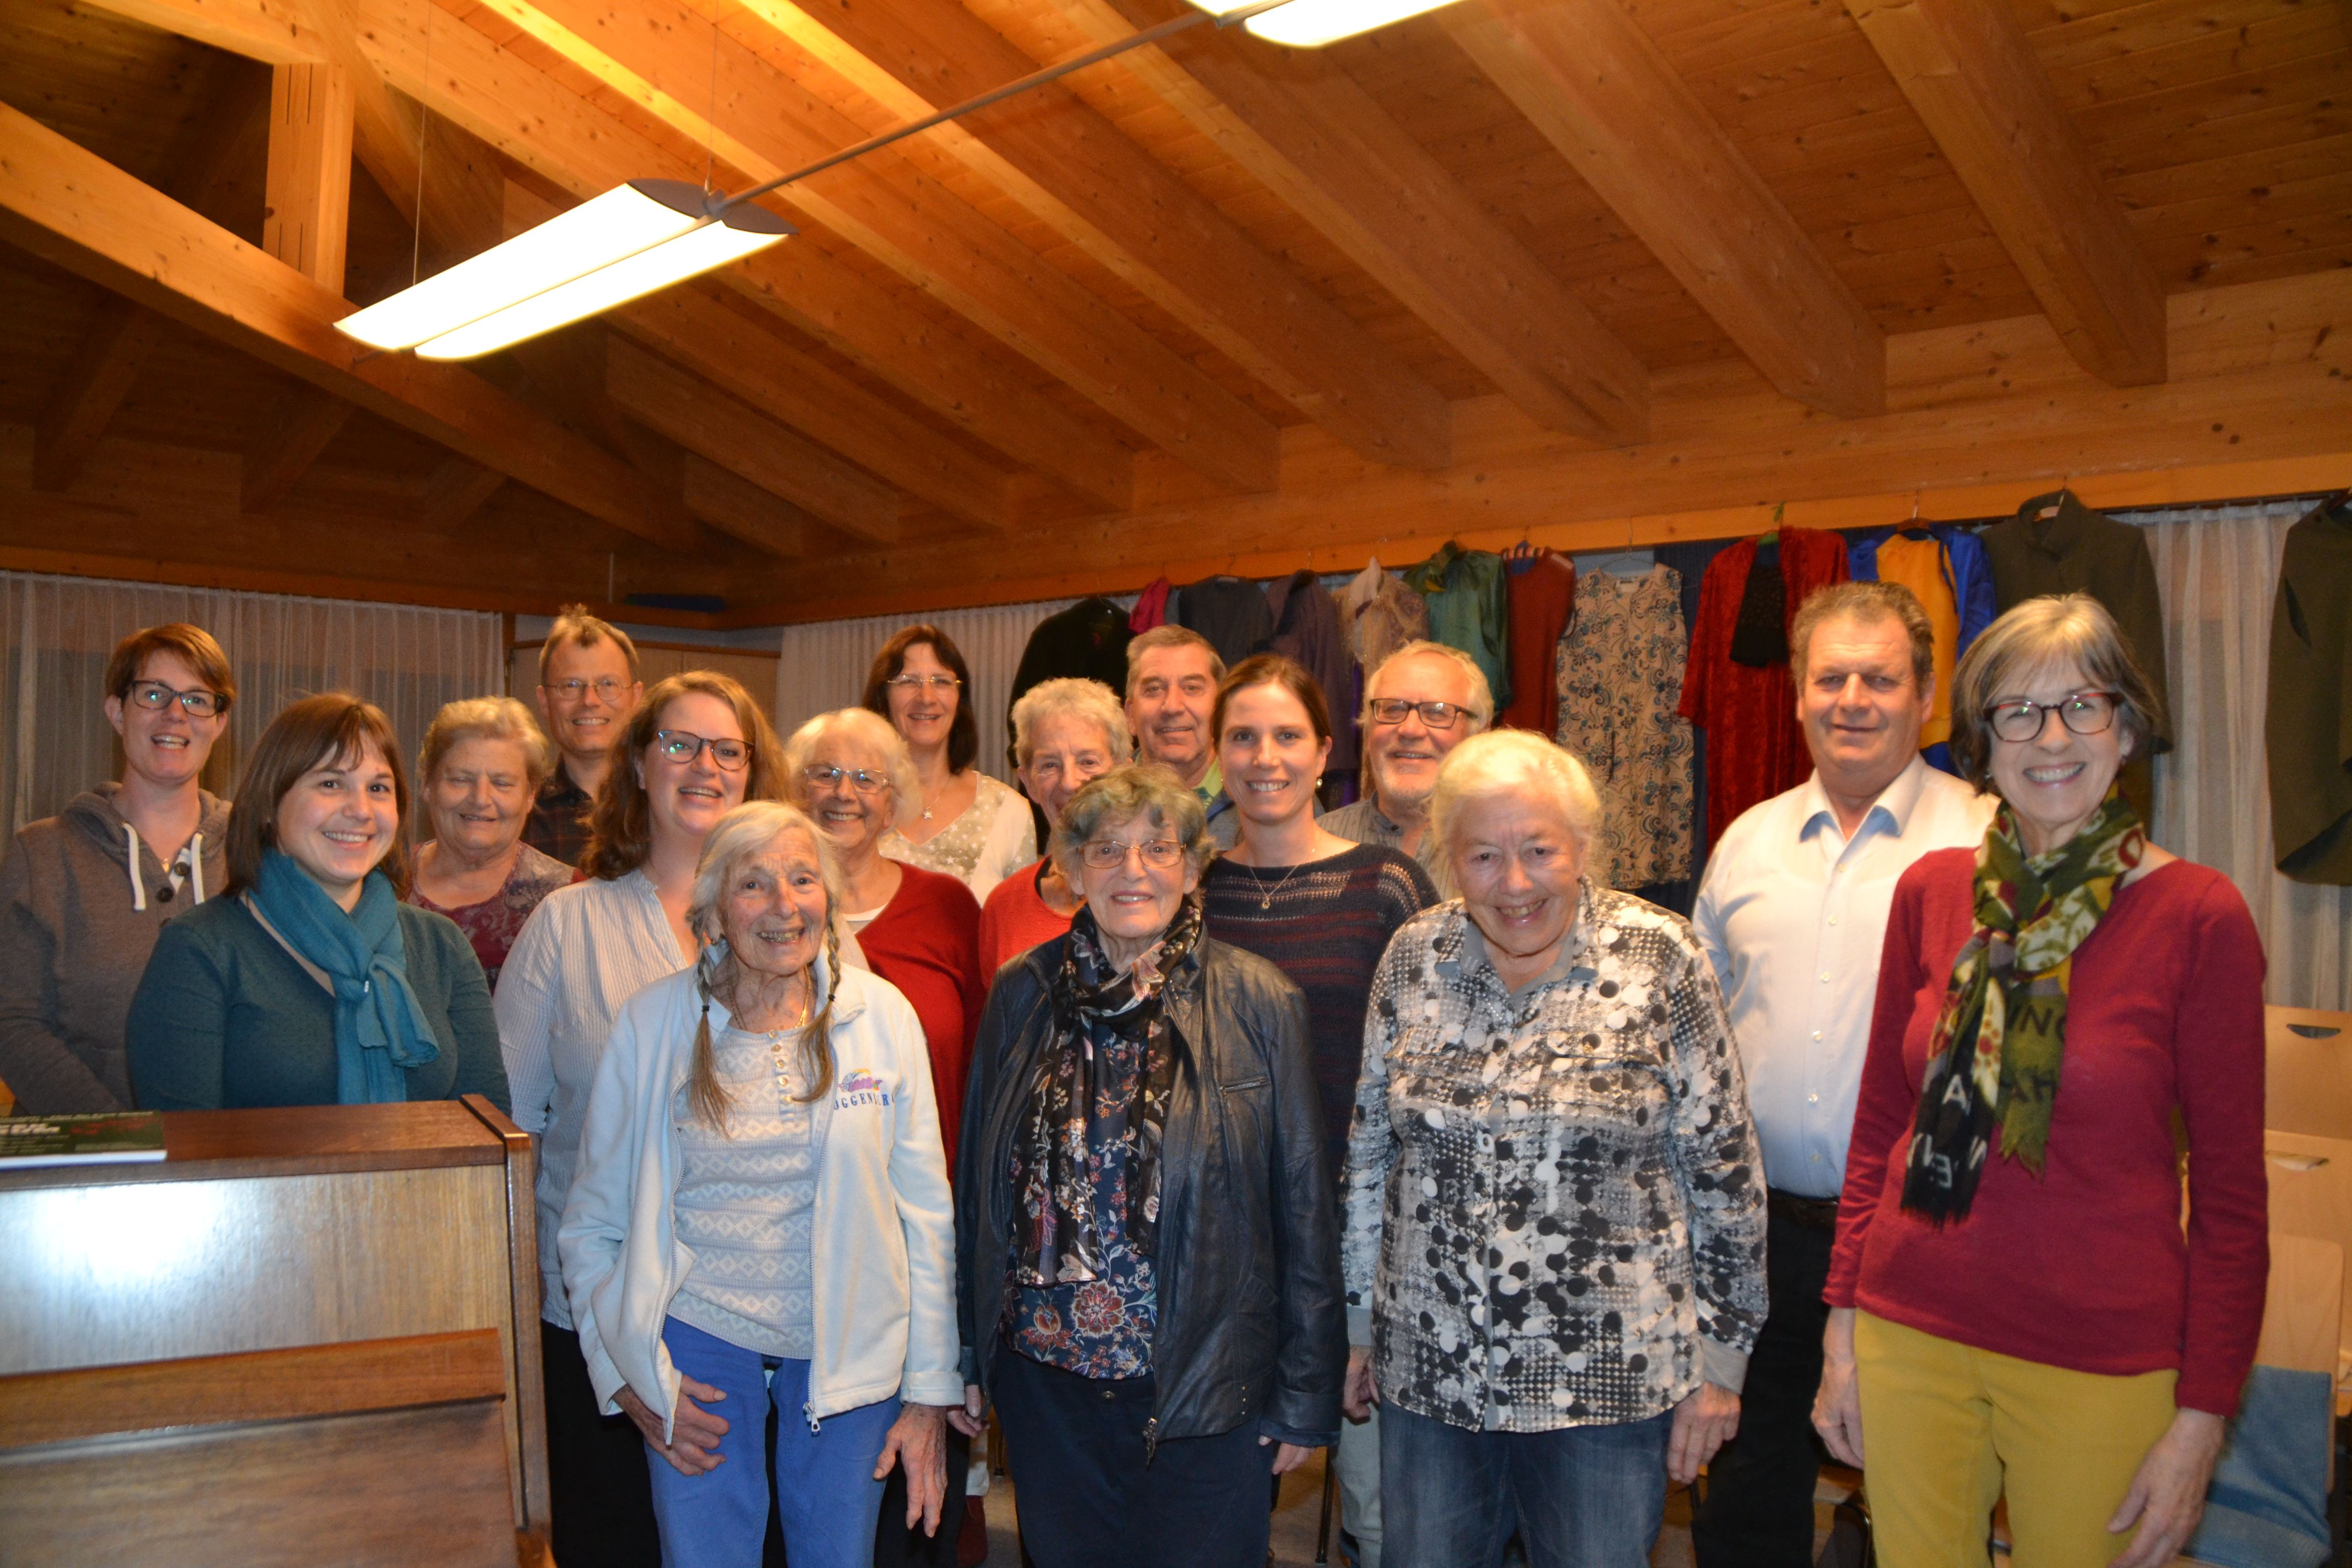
<point>1554,1204</point>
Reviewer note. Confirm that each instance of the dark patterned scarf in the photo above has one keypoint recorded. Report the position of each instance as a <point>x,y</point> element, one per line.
<point>1094,1006</point>
<point>1994,1056</point>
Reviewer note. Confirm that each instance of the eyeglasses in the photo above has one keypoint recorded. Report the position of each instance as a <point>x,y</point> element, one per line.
<point>1103,854</point>
<point>1436,715</point>
<point>607,686</point>
<point>2083,712</point>
<point>155,695</point>
<point>864,781</point>
<point>684,746</point>
<point>920,683</point>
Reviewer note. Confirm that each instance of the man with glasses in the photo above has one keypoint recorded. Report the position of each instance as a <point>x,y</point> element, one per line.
<point>1423,701</point>
<point>1792,913</point>
<point>589,685</point>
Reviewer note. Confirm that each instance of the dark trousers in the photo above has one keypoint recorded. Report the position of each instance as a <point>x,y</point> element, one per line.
<point>1085,1496</point>
<point>1758,1508</point>
<point>598,1492</point>
<point>897,1546</point>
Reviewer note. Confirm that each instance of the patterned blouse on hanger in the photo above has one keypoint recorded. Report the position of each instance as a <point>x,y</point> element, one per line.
<point>1619,669</point>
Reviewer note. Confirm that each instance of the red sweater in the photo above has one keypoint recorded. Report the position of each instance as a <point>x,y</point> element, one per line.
<point>2085,1268</point>
<point>1015,920</point>
<point>926,942</point>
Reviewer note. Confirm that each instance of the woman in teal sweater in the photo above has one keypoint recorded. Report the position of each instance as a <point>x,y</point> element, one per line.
<point>310,982</point>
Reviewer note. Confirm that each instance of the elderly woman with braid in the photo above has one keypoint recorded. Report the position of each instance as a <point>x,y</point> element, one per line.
<point>761,1214</point>
<point>2015,1306</point>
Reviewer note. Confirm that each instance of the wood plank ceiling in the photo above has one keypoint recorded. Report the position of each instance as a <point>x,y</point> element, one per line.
<point>1209,292</point>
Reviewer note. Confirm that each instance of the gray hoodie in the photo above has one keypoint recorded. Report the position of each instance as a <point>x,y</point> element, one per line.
<point>81,899</point>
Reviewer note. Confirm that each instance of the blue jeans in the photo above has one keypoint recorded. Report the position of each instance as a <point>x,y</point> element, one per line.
<point>1583,1496</point>
<point>825,1490</point>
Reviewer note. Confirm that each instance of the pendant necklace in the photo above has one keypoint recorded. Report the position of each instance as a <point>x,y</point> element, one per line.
<point>1266,896</point>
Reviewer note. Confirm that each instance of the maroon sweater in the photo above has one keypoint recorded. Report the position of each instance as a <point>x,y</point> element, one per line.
<point>2086,1267</point>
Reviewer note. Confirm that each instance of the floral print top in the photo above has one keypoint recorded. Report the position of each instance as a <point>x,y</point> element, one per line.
<point>492,925</point>
<point>1101,1327</point>
<point>1555,1206</point>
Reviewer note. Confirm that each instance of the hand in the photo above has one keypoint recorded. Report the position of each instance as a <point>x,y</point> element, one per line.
<point>1837,1404</point>
<point>971,1417</point>
<point>918,1440</point>
<point>1708,1418</point>
<point>693,1448</point>
<point>1362,1391</point>
<point>2168,1495</point>
<point>1288,1457</point>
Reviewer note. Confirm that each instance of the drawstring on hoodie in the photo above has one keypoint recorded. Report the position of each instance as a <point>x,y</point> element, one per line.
<point>193,856</point>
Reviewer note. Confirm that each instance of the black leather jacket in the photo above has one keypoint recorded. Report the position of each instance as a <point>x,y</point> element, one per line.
<point>1251,1326</point>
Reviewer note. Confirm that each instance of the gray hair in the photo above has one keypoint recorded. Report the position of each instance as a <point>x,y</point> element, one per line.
<point>1068,697</point>
<point>1511,762</point>
<point>1171,636</point>
<point>872,731</point>
<point>485,719</point>
<point>1482,695</point>
<point>2056,628</point>
<point>1122,795</point>
<point>1863,602</point>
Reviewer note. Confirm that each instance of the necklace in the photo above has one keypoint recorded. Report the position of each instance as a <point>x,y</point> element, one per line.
<point>1265,895</point>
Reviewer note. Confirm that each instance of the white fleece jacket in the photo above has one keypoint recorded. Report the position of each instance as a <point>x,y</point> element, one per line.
<point>884,1248</point>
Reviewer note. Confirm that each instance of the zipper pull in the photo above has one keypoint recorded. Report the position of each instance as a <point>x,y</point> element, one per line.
<point>1151,1439</point>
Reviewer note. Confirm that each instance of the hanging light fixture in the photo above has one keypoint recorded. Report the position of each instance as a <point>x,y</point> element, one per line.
<point>1310,24</point>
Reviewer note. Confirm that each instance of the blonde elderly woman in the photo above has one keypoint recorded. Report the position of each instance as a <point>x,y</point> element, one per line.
<point>2014,1306</point>
<point>1066,733</point>
<point>479,771</point>
<point>1555,1206</point>
<point>761,1218</point>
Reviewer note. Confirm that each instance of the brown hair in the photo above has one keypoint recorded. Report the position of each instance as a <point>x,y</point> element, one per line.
<point>2039,632</point>
<point>964,729</point>
<point>196,648</point>
<point>1166,635</point>
<point>1863,602</point>
<point>1272,670</point>
<point>620,824</point>
<point>574,624</point>
<point>305,735</point>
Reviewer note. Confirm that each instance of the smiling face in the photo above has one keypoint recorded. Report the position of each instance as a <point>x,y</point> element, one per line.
<point>1517,860</point>
<point>2056,782</point>
<point>685,799</point>
<point>1134,901</point>
<point>586,725</point>
<point>1860,705</point>
<point>775,909</point>
<point>924,714</point>
<point>1067,752</point>
<point>1174,689</point>
<point>339,819</point>
<point>1404,756</point>
<point>479,796</point>
<point>167,746</point>
<point>1270,752</point>
<point>852,818</point>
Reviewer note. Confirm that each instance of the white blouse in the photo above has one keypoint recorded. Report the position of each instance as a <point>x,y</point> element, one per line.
<point>993,838</point>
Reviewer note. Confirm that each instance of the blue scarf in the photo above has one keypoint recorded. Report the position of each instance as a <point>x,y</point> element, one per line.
<point>380,1030</point>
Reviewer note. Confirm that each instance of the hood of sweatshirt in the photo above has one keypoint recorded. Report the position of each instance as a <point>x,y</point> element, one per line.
<point>96,814</point>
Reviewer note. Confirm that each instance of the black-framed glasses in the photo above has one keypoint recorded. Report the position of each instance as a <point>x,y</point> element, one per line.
<point>607,686</point>
<point>864,781</point>
<point>922,683</point>
<point>1436,715</point>
<point>2083,712</point>
<point>685,745</point>
<point>1103,854</point>
<point>155,695</point>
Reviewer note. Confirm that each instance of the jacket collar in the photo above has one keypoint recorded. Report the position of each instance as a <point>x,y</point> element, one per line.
<point>2061,535</point>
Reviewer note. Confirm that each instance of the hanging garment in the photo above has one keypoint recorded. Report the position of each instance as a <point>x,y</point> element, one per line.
<point>1231,612</point>
<point>1382,615</point>
<point>1542,597</point>
<point>1755,748</point>
<point>2310,715</point>
<point>1087,641</point>
<point>1469,609</point>
<point>1150,607</point>
<point>1307,631</point>
<point>1617,679</point>
<point>1972,590</point>
<point>1914,558</point>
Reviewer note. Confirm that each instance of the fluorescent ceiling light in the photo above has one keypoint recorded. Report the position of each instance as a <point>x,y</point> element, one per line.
<point>1307,23</point>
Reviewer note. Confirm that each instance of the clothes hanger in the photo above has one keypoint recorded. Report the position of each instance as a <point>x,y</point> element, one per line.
<point>2047,513</point>
<point>1912,528</point>
<point>1773,534</point>
<point>1521,557</point>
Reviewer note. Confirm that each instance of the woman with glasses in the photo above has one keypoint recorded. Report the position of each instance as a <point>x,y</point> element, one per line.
<point>2015,1306</point>
<point>1148,1265</point>
<point>919,930</point>
<point>697,748</point>
<point>83,893</point>
<point>1067,732</point>
<point>481,763</point>
<point>963,823</point>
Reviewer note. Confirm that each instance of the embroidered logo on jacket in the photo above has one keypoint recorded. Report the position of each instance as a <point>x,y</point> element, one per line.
<point>860,1088</point>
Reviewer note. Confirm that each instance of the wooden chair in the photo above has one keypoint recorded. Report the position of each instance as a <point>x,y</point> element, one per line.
<point>2308,1072</point>
<point>2311,1196</point>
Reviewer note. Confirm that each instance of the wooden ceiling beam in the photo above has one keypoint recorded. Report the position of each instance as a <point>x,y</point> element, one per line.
<point>1315,138</point>
<point>104,367</point>
<point>1969,70</point>
<point>78,212</point>
<point>660,55</point>
<point>734,435</point>
<point>454,492</point>
<point>1587,76</point>
<point>736,506</point>
<point>307,207</point>
<point>1076,171</point>
<point>276,31</point>
<point>560,136</point>
<point>289,440</point>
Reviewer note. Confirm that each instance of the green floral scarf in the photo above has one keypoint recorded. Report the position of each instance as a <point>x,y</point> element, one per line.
<point>1994,1056</point>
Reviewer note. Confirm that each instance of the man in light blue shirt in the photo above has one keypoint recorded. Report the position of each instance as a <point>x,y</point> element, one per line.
<point>1792,913</point>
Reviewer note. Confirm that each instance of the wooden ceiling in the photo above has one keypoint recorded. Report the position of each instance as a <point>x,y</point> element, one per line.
<point>1579,269</point>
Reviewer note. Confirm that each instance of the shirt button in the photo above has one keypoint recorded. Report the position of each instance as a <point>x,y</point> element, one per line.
<point>1834,920</point>
<point>1813,1100</point>
<point>1825,979</point>
<point>1817,1159</point>
<point>1817,1034</point>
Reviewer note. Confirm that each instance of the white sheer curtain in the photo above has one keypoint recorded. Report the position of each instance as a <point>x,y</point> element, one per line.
<point>57,632</point>
<point>2218,568</point>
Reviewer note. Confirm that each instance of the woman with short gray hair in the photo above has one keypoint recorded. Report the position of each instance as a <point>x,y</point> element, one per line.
<point>2014,1307</point>
<point>478,772</point>
<point>1065,733</point>
<point>1554,1237</point>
